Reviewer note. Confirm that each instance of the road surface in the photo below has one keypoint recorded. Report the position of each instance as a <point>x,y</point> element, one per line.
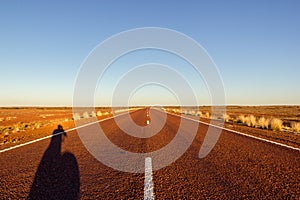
<point>238,167</point>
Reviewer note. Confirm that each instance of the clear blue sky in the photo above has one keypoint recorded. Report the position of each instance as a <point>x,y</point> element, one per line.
<point>255,44</point>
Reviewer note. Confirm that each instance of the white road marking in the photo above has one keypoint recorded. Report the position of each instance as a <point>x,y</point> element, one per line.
<point>49,136</point>
<point>148,184</point>
<point>240,133</point>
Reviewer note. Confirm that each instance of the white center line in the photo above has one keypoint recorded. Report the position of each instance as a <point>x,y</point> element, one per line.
<point>148,184</point>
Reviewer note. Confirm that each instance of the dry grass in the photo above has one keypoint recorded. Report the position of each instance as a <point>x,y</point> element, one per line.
<point>99,113</point>
<point>76,116</point>
<point>86,115</point>
<point>241,119</point>
<point>226,117</point>
<point>296,127</point>
<point>251,121</point>
<point>207,115</point>
<point>192,112</point>
<point>94,114</point>
<point>267,123</point>
<point>261,122</point>
<point>276,124</point>
<point>199,113</point>
<point>176,110</point>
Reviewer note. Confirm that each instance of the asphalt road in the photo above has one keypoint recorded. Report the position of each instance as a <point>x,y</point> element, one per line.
<point>237,168</point>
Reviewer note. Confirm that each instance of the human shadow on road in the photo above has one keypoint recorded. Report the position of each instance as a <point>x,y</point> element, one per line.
<point>57,176</point>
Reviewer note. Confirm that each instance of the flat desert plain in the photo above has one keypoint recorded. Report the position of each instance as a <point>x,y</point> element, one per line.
<point>19,125</point>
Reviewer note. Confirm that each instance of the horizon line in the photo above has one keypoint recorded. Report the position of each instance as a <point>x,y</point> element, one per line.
<point>106,106</point>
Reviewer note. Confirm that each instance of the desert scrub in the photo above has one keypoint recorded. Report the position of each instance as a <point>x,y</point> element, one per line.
<point>99,113</point>
<point>4,129</point>
<point>296,127</point>
<point>267,123</point>
<point>251,121</point>
<point>207,115</point>
<point>241,119</point>
<point>94,114</point>
<point>276,124</point>
<point>199,113</point>
<point>21,126</point>
<point>76,116</point>
<point>10,118</point>
<point>192,112</point>
<point>86,115</point>
<point>226,117</point>
<point>37,125</point>
<point>264,123</point>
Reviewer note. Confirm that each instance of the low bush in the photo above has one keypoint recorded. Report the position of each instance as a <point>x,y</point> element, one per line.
<point>199,113</point>
<point>276,124</point>
<point>191,112</point>
<point>226,117</point>
<point>94,114</point>
<point>207,115</point>
<point>267,123</point>
<point>296,127</point>
<point>261,122</point>
<point>250,121</point>
<point>86,115</point>
<point>99,113</point>
<point>76,116</point>
<point>241,119</point>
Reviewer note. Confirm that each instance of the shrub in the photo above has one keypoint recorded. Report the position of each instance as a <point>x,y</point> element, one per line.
<point>199,113</point>
<point>207,115</point>
<point>296,127</point>
<point>262,122</point>
<point>267,123</point>
<point>192,112</point>
<point>226,117</point>
<point>86,115</point>
<point>276,124</point>
<point>251,121</point>
<point>37,125</point>
<point>241,119</point>
<point>99,113</point>
<point>93,114</point>
<point>76,116</point>
<point>248,121</point>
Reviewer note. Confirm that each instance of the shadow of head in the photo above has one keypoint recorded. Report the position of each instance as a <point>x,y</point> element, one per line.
<point>59,129</point>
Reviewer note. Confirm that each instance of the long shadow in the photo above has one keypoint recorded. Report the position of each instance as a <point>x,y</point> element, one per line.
<point>57,176</point>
